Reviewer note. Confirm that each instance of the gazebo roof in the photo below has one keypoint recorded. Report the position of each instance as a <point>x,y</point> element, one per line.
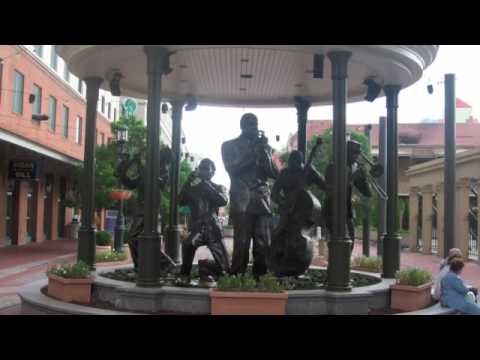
<point>250,75</point>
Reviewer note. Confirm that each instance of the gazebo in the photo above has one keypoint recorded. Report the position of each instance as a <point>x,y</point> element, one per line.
<point>248,76</point>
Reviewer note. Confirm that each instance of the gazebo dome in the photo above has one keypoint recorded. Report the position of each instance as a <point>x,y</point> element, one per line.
<point>250,75</point>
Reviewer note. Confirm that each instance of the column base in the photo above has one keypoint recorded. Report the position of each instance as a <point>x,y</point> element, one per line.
<point>391,256</point>
<point>148,260</point>
<point>172,246</point>
<point>86,246</point>
<point>119,237</point>
<point>338,271</point>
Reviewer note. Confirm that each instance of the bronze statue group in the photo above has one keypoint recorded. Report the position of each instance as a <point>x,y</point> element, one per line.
<point>287,250</point>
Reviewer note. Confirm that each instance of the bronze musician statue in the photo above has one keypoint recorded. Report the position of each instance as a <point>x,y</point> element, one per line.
<point>291,250</point>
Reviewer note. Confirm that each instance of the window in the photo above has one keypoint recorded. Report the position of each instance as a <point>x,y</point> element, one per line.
<point>109,110</point>
<point>53,58</point>
<point>66,115</point>
<point>18,83</point>
<point>103,104</point>
<point>38,49</point>
<point>52,113</point>
<point>78,130</point>
<point>80,86</point>
<point>115,114</point>
<point>66,73</point>
<point>37,105</point>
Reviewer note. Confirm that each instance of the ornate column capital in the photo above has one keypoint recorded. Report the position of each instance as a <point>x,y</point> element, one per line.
<point>391,91</point>
<point>158,60</point>
<point>339,60</point>
<point>414,190</point>
<point>463,183</point>
<point>427,189</point>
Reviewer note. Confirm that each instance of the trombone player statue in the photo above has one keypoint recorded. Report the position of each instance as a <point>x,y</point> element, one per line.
<point>248,161</point>
<point>358,177</point>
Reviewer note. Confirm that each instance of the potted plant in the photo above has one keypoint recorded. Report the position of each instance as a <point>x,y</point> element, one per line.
<point>103,240</point>
<point>70,283</point>
<point>367,264</point>
<point>242,295</point>
<point>119,194</point>
<point>412,290</point>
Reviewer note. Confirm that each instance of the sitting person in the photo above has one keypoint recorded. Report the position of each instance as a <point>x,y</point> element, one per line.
<point>444,269</point>
<point>454,293</point>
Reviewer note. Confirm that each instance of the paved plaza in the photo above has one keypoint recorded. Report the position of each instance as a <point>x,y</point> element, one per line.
<point>22,265</point>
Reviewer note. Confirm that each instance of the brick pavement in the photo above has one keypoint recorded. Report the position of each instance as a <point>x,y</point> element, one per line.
<point>28,263</point>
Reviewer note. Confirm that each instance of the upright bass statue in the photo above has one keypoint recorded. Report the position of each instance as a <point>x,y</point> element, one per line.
<point>291,250</point>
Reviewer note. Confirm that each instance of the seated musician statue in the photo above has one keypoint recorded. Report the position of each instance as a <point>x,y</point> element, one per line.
<point>204,198</point>
<point>356,176</point>
<point>291,249</point>
<point>131,173</point>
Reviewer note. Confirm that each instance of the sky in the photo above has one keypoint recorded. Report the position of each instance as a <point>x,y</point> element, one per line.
<point>207,128</point>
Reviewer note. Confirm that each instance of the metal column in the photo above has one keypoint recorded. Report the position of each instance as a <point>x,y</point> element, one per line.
<point>86,233</point>
<point>172,244</point>
<point>338,272</point>
<point>149,243</point>
<point>366,206</point>
<point>450,161</point>
<point>302,106</point>
<point>391,244</point>
<point>382,159</point>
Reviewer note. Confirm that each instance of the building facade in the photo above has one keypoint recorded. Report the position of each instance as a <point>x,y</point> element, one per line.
<point>42,127</point>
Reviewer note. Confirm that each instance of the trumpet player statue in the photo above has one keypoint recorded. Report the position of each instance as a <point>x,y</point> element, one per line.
<point>248,161</point>
<point>358,177</point>
<point>204,198</point>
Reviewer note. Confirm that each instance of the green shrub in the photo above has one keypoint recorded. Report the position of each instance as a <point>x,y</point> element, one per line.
<point>246,283</point>
<point>80,270</point>
<point>110,256</point>
<point>368,262</point>
<point>103,238</point>
<point>413,277</point>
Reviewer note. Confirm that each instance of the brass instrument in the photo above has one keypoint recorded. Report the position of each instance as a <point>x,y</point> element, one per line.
<point>376,170</point>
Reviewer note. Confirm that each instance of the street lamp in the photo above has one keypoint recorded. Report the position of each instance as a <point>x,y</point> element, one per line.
<point>120,228</point>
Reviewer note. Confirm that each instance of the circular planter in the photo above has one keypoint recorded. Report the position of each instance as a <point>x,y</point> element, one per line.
<point>120,195</point>
<point>247,303</point>
<point>103,249</point>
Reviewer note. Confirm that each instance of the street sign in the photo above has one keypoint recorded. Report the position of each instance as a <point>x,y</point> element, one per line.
<point>130,106</point>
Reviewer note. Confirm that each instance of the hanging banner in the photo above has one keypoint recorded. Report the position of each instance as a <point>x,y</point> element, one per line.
<point>22,170</point>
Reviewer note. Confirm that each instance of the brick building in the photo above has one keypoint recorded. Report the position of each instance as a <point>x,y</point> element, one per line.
<point>33,209</point>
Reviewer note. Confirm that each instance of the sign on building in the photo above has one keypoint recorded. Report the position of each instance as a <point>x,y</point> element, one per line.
<point>22,170</point>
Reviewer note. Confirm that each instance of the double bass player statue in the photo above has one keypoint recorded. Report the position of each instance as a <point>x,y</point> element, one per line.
<point>291,250</point>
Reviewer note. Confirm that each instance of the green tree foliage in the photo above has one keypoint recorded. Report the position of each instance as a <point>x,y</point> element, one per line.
<point>105,177</point>
<point>106,162</point>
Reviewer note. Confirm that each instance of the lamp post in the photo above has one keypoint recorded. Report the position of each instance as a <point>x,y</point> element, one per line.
<point>120,228</point>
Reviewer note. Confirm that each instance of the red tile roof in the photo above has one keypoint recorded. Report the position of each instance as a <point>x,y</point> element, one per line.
<point>430,134</point>
<point>461,104</point>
